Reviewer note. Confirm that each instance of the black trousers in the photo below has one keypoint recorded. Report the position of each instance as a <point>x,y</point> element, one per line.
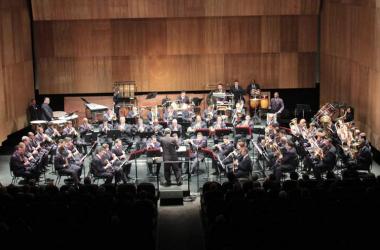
<point>284,168</point>
<point>176,169</point>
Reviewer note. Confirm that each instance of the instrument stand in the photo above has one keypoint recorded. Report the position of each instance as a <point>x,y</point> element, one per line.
<point>256,118</point>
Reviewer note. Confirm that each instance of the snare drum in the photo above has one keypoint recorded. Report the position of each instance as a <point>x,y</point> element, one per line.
<point>37,123</point>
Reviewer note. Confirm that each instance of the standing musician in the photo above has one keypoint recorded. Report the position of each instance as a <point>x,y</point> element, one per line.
<point>46,110</point>
<point>209,115</point>
<point>169,148</point>
<point>286,161</point>
<point>33,110</point>
<point>153,144</point>
<point>118,151</point>
<point>196,156</point>
<point>253,86</point>
<point>64,165</point>
<point>238,92</point>
<point>100,167</point>
<point>183,99</point>
<point>349,115</point>
<point>116,168</point>
<point>277,104</point>
<point>242,166</point>
<point>20,165</point>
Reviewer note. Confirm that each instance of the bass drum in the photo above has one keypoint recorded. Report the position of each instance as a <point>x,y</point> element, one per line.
<point>254,103</point>
<point>264,103</point>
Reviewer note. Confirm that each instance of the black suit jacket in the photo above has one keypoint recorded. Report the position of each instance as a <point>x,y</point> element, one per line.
<point>238,93</point>
<point>290,157</point>
<point>17,163</point>
<point>252,86</point>
<point>33,112</point>
<point>169,148</point>
<point>46,112</point>
<point>244,167</point>
<point>98,165</point>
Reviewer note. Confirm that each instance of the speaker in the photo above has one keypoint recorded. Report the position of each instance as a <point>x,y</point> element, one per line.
<point>170,197</point>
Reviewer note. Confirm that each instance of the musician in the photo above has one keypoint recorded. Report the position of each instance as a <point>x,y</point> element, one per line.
<point>175,127</point>
<point>33,110</point>
<point>100,167</point>
<point>109,115</point>
<point>170,114</point>
<point>137,130</point>
<point>134,113</point>
<point>20,165</point>
<point>326,160</point>
<point>65,166</point>
<point>238,112</point>
<point>364,155</point>
<point>105,126</point>
<point>115,168</point>
<point>120,154</point>
<point>30,151</point>
<point>197,124</point>
<point>218,124</point>
<point>223,150</point>
<point>157,128</point>
<point>237,91</point>
<point>286,161</point>
<point>252,85</point>
<point>169,147</point>
<point>242,165</point>
<point>69,130</point>
<point>349,115</point>
<point>248,123</point>
<point>46,110</point>
<point>52,132</point>
<point>209,115</point>
<point>153,114</point>
<point>153,144</point>
<point>183,99</point>
<point>116,101</point>
<point>197,156</point>
<point>122,126</point>
<point>187,113</point>
<point>85,127</point>
<point>220,90</point>
<point>276,104</point>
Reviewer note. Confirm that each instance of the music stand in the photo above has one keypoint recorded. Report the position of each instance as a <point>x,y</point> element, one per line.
<point>145,134</point>
<point>130,120</point>
<point>208,153</point>
<point>114,134</point>
<point>222,132</point>
<point>243,131</point>
<point>133,156</point>
<point>204,131</point>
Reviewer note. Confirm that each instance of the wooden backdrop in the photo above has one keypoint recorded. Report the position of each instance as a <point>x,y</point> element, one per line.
<point>84,46</point>
<point>350,60</point>
<point>16,70</point>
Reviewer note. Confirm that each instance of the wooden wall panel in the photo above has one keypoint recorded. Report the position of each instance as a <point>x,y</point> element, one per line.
<point>349,60</point>
<point>117,9</point>
<point>16,70</point>
<point>87,56</point>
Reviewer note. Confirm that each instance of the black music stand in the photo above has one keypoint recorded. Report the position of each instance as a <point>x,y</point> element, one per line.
<point>114,134</point>
<point>244,131</point>
<point>145,134</point>
<point>130,120</point>
<point>155,153</point>
<point>222,132</point>
<point>133,156</point>
<point>208,153</point>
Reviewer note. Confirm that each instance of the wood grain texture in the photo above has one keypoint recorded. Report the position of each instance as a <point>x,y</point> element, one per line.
<point>118,9</point>
<point>349,60</point>
<point>87,56</point>
<point>16,70</point>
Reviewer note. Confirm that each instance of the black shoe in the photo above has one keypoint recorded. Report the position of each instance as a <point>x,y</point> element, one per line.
<point>215,173</point>
<point>167,184</point>
<point>179,183</point>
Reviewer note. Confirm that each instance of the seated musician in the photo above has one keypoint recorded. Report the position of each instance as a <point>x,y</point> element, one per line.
<point>157,128</point>
<point>42,143</point>
<point>183,99</point>
<point>120,154</point>
<point>85,127</point>
<point>242,166</point>
<point>238,112</point>
<point>100,167</point>
<point>223,150</point>
<point>109,115</point>
<point>20,165</point>
<point>137,131</point>
<point>30,151</point>
<point>170,114</point>
<point>187,113</point>
<point>116,167</point>
<point>209,115</point>
<point>71,148</point>
<point>134,113</point>
<point>248,123</point>
<point>325,160</point>
<point>40,136</point>
<point>69,130</point>
<point>197,156</point>
<point>153,114</point>
<point>105,126</point>
<point>52,132</point>
<point>64,165</point>
<point>238,92</point>
<point>364,155</point>
<point>197,124</point>
<point>218,124</point>
<point>277,104</point>
<point>175,127</point>
<point>153,144</point>
<point>286,161</point>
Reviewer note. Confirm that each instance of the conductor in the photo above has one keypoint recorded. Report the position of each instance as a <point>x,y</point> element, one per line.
<point>169,154</point>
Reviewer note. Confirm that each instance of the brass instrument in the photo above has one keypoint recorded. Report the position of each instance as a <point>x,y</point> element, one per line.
<point>293,125</point>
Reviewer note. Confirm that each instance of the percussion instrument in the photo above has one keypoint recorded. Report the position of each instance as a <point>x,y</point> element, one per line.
<point>255,92</point>
<point>58,114</point>
<point>37,123</point>
<point>254,103</point>
<point>264,102</point>
<point>327,110</point>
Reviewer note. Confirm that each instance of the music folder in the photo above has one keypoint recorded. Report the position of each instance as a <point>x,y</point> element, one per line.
<point>243,130</point>
<point>222,132</point>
